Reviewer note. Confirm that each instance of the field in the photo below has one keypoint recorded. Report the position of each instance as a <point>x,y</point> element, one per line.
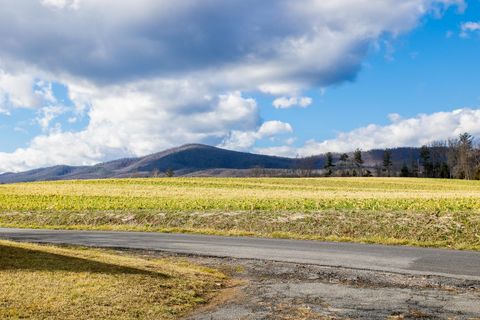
<point>46,282</point>
<point>422,212</point>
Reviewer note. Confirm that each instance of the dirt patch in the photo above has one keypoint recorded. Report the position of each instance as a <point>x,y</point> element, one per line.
<point>232,292</point>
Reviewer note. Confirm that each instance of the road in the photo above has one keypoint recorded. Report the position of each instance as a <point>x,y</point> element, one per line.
<point>398,259</point>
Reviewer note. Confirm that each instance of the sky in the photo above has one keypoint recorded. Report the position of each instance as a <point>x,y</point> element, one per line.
<point>87,81</point>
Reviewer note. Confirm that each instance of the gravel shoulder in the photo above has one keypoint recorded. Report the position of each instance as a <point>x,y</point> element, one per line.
<point>275,290</point>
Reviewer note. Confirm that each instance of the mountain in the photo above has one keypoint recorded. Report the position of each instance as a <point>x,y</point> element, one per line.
<point>201,160</point>
<point>183,160</point>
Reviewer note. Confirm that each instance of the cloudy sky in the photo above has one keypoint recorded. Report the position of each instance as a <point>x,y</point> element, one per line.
<point>85,81</point>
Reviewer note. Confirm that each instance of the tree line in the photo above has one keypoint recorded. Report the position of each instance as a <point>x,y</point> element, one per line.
<point>457,158</point>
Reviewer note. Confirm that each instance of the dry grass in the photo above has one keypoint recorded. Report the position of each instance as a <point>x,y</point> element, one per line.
<point>46,282</point>
<point>422,212</point>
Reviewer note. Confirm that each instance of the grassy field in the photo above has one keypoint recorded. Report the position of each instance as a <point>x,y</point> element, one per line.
<point>423,212</point>
<point>45,282</point>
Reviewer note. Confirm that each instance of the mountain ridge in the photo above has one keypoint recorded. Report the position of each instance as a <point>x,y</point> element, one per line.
<point>191,160</point>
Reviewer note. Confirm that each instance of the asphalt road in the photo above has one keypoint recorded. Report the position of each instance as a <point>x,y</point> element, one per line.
<point>405,260</point>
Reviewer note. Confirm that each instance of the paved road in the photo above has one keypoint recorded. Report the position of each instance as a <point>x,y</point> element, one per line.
<point>406,260</point>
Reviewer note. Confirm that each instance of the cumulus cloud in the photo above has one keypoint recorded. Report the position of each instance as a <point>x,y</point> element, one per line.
<point>131,123</point>
<point>468,28</point>
<point>285,102</point>
<point>271,128</point>
<point>244,140</point>
<point>423,129</point>
<point>16,91</point>
<point>146,81</point>
<point>318,41</point>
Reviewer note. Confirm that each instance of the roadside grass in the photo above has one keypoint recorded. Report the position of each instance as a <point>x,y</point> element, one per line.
<point>47,282</point>
<point>419,212</point>
<point>460,230</point>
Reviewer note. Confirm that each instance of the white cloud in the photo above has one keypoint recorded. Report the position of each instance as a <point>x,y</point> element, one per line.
<point>24,89</point>
<point>244,140</point>
<point>394,117</point>
<point>413,132</point>
<point>469,27</point>
<point>423,129</point>
<point>44,90</point>
<point>3,105</point>
<point>16,90</point>
<point>133,123</point>
<point>272,128</point>
<point>288,102</point>
<point>61,4</point>
<point>290,141</point>
<point>47,114</point>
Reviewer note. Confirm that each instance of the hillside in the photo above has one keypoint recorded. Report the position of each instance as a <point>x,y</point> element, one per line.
<point>198,160</point>
<point>183,160</point>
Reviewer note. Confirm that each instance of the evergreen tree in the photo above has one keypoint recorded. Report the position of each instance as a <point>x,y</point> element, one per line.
<point>329,163</point>
<point>387,161</point>
<point>169,173</point>
<point>344,157</point>
<point>466,165</point>
<point>404,172</point>
<point>444,171</point>
<point>425,161</point>
<point>357,158</point>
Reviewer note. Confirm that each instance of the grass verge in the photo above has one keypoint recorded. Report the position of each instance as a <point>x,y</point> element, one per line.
<point>47,282</point>
<point>459,230</point>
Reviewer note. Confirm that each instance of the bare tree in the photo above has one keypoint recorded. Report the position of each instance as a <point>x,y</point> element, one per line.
<point>258,171</point>
<point>306,166</point>
<point>156,173</point>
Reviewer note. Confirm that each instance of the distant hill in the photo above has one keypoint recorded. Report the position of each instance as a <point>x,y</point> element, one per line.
<point>196,160</point>
<point>183,160</point>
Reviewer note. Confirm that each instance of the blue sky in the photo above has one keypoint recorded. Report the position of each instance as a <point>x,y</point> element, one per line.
<point>156,75</point>
<point>429,70</point>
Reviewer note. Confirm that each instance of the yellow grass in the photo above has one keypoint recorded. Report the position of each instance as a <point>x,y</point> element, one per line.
<point>203,194</point>
<point>46,282</point>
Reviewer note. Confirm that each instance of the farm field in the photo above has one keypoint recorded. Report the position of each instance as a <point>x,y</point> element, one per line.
<point>421,212</point>
<point>47,282</point>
